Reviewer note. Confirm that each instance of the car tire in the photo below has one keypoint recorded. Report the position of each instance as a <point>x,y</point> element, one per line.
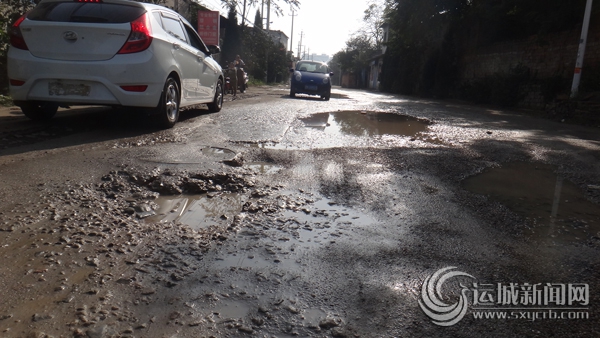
<point>292,92</point>
<point>217,104</point>
<point>168,106</point>
<point>39,111</point>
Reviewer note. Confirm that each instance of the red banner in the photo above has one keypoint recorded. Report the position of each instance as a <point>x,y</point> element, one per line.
<point>208,26</point>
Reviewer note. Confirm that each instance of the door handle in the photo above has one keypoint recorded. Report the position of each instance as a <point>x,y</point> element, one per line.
<point>176,46</point>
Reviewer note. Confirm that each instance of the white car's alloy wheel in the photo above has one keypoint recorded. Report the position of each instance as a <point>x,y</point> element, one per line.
<point>168,107</point>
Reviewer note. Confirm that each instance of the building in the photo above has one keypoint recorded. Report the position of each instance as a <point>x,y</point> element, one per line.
<point>376,62</point>
<point>279,37</point>
<point>318,57</point>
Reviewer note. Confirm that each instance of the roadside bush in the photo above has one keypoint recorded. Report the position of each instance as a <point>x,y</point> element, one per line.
<point>252,81</point>
<point>590,79</point>
<point>478,91</point>
<point>501,89</point>
<point>507,88</point>
<point>554,86</point>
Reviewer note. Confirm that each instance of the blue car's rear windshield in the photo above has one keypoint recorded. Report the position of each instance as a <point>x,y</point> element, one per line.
<point>312,67</point>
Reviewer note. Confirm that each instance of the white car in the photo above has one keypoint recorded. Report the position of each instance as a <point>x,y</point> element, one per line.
<point>110,52</point>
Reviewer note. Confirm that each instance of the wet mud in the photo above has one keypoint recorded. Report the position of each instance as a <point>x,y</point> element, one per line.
<point>132,256</point>
<point>327,231</point>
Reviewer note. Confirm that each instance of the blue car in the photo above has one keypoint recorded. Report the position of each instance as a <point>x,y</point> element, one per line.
<point>311,77</point>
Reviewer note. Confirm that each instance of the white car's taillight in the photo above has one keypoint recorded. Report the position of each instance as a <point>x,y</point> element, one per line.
<point>16,38</point>
<point>140,36</point>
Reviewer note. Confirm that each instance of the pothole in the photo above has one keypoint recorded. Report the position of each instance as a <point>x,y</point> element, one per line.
<point>555,207</point>
<point>366,123</point>
<point>198,211</point>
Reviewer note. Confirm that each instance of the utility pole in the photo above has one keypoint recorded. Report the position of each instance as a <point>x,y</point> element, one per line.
<point>292,35</point>
<point>300,45</point>
<point>268,14</point>
<point>581,51</point>
<point>244,14</point>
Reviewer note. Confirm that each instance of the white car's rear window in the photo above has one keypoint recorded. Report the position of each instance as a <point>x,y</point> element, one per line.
<point>85,12</point>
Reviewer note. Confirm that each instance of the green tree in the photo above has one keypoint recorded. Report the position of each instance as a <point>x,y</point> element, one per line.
<point>373,19</point>
<point>258,21</point>
<point>263,56</point>
<point>354,58</point>
<point>242,5</point>
<point>232,41</point>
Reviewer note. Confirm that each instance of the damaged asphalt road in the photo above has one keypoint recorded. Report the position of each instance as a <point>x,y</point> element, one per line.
<point>282,217</point>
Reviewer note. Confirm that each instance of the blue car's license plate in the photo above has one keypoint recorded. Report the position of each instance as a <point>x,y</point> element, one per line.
<point>308,87</point>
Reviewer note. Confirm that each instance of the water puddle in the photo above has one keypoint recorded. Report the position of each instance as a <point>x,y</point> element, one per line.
<point>198,211</point>
<point>312,317</point>
<point>193,155</point>
<point>232,309</point>
<point>554,206</point>
<point>220,153</point>
<point>366,123</point>
<point>263,167</point>
<point>269,145</point>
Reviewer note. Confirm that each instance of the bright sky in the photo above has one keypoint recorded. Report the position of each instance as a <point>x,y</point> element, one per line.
<point>327,24</point>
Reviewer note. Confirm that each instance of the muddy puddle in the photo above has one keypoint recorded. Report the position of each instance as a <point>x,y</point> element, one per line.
<point>269,145</point>
<point>198,211</point>
<point>194,156</point>
<point>366,123</point>
<point>221,153</point>
<point>263,167</point>
<point>232,309</point>
<point>554,206</point>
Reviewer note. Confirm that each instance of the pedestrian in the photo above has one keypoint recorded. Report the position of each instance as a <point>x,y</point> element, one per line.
<point>232,73</point>
<point>239,64</point>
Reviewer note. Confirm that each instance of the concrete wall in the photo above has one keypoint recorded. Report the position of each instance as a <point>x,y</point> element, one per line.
<point>547,56</point>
